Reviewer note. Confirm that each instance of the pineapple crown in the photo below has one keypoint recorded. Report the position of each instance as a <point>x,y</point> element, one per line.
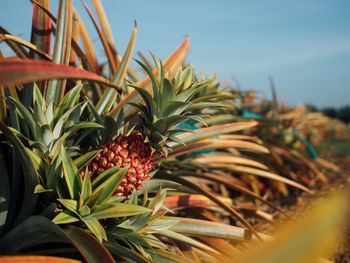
<point>45,125</point>
<point>170,104</point>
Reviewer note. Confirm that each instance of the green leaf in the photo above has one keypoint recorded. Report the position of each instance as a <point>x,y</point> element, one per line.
<point>187,76</point>
<point>155,84</point>
<point>37,161</point>
<point>176,119</point>
<point>109,97</point>
<point>206,105</point>
<point>104,176</point>
<point>170,108</point>
<point>162,256</point>
<point>68,101</point>
<point>4,191</point>
<point>86,192</point>
<point>163,224</point>
<point>155,184</point>
<point>168,92</point>
<point>141,108</point>
<point>27,116</point>
<point>110,185</point>
<point>202,228</point>
<point>161,126</point>
<point>65,217</point>
<point>110,128</point>
<point>84,125</point>
<point>94,112</point>
<point>37,97</point>
<point>32,229</point>
<point>95,227</point>
<point>84,211</point>
<point>187,94</point>
<point>118,210</point>
<point>150,103</point>
<point>119,250</point>
<point>39,115</point>
<point>89,246</point>
<point>57,129</point>
<point>71,205</point>
<point>159,201</point>
<point>61,52</point>
<point>84,159</point>
<point>29,174</point>
<point>94,198</point>
<point>71,175</point>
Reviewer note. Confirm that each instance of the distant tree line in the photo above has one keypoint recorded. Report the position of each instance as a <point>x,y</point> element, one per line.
<point>341,113</point>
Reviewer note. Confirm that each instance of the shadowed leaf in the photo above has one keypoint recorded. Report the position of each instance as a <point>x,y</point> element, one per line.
<point>92,250</point>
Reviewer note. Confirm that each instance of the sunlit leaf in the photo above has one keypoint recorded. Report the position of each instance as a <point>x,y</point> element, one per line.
<point>13,72</point>
<point>71,175</point>
<point>118,210</point>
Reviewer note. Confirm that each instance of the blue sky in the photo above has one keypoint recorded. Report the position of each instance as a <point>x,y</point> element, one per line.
<point>303,45</point>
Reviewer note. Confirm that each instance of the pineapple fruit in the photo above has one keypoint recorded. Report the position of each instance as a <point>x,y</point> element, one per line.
<point>125,151</point>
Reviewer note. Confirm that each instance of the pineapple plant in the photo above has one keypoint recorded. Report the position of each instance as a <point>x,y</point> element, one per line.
<point>153,129</point>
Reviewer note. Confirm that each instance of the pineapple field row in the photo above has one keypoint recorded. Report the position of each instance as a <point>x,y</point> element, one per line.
<point>104,163</point>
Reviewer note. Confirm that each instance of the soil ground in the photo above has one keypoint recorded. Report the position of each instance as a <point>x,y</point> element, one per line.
<point>336,151</point>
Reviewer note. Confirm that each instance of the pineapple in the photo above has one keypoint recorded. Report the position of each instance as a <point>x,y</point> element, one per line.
<point>125,151</point>
<point>154,127</point>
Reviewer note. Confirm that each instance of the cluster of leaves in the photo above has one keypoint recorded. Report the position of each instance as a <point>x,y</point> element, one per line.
<point>51,123</point>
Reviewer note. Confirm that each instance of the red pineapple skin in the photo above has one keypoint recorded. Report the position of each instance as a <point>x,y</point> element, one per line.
<point>125,150</point>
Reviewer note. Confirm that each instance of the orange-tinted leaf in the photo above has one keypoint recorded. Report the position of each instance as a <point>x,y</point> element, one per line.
<point>199,201</point>
<point>87,44</point>
<point>297,158</point>
<point>14,72</point>
<point>75,38</point>
<point>221,158</point>
<point>196,135</point>
<point>106,29</point>
<point>230,184</point>
<point>89,62</point>
<point>222,246</point>
<point>272,176</point>
<point>212,197</point>
<point>36,259</point>
<point>22,42</point>
<point>239,137</point>
<point>41,27</point>
<point>109,53</point>
<point>18,49</point>
<point>206,144</point>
